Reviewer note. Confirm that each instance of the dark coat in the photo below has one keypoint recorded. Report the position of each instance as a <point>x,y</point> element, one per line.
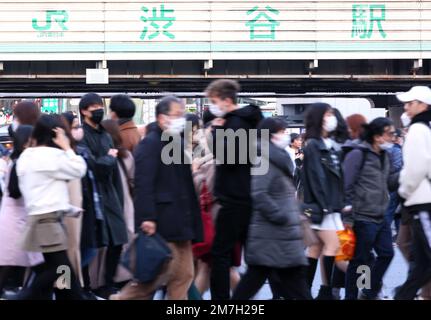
<point>275,235</point>
<point>232,181</point>
<point>322,177</point>
<point>112,231</point>
<point>366,180</point>
<point>165,193</point>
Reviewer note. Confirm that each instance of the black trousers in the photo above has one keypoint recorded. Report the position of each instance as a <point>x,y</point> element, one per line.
<point>231,227</point>
<point>293,280</point>
<point>113,256</point>
<point>420,272</point>
<point>44,280</point>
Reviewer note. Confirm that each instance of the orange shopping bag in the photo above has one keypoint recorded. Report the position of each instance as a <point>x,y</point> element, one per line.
<point>347,245</point>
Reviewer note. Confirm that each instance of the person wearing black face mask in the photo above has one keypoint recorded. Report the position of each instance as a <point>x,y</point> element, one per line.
<point>103,212</point>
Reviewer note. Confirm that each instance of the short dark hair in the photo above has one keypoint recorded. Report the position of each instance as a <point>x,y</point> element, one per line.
<point>123,106</point>
<point>43,130</point>
<point>224,89</point>
<point>375,128</point>
<point>27,112</point>
<point>294,136</point>
<point>69,116</point>
<point>164,105</point>
<point>89,99</point>
<point>314,120</point>
<point>194,119</point>
<point>273,125</point>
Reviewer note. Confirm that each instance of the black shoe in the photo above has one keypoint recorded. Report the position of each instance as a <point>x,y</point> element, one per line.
<point>325,293</point>
<point>363,296</point>
<point>105,291</point>
<point>26,294</point>
<point>88,294</point>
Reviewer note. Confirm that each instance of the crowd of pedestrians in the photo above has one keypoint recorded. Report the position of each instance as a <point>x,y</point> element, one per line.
<point>80,192</point>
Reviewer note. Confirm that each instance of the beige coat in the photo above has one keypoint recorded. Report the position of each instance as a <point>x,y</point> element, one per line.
<point>73,228</point>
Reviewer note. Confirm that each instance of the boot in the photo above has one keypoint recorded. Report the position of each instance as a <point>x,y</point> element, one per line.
<point>325,293</point>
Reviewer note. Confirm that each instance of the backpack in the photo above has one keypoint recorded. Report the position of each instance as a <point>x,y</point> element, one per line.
<point>346,150</point>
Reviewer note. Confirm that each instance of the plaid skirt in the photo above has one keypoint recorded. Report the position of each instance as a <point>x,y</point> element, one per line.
<point>45,233</point>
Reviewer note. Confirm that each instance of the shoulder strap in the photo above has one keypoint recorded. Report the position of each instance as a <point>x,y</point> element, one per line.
<point>364,153</point>
<point>363,159</point>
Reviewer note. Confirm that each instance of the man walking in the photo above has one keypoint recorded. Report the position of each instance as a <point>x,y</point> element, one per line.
<point>415,187</point>
<point>232,180</point>
<point>166,203</point>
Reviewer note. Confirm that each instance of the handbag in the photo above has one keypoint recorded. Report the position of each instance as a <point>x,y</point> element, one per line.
<point>313,212</point>
<point>147,257</point>
<point>308,234</point>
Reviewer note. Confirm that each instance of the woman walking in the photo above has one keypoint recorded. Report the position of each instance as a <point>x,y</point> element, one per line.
<point>323,191</point>
<point>43,172</point>
<point>274,243</point>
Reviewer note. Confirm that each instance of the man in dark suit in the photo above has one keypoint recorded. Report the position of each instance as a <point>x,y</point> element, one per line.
<point>166,202</point>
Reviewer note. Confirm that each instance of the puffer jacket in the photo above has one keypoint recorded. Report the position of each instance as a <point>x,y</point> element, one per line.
<point>275,236</point>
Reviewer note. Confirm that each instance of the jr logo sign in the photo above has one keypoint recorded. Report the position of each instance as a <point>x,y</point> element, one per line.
<point>45,27</point>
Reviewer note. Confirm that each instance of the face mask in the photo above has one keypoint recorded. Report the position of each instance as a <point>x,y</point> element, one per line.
<point>77,134</point>
<point>405,120</point>
<point>330,124</point>
<point>215,110</point>
<point>281,140</point>
<point>386,145</point>
<point>97,116</point>
<point>176,126</point>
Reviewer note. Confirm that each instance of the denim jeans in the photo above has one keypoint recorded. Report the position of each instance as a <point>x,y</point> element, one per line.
<point>369,236</point>
<point>394,201</point>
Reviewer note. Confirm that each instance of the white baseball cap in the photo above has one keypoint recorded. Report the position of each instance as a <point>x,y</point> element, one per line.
<point>420,93</point>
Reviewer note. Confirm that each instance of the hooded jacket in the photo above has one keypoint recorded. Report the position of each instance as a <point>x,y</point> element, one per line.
<point>275,236</point>
<point>415,177</point>
<point>232,179</point>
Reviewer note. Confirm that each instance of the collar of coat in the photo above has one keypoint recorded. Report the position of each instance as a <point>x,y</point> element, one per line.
<point>87,127</point>
<point>424,117</point>
<point>126,124</point>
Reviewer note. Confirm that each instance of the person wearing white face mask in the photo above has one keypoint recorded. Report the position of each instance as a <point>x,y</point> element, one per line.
<point>274,244</point>
<point>165,202</point>
<point>323,192</point>
<point>415,188</point>
<point>368,179</point>
<point>232,180</point>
